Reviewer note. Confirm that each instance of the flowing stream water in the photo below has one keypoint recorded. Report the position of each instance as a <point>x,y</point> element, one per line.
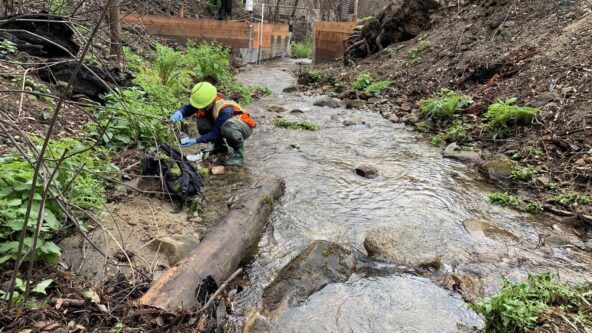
<point>417,190</point>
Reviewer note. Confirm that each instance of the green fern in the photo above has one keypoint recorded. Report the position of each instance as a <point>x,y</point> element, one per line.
<point>501,115</point>
<point>445,105</point>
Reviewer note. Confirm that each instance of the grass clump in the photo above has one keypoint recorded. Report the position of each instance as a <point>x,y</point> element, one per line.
<point>522,173</point>
<point>303,49</point>
<point>501,115</point>
<point>505,199</point>
<point>455,133</point>
<point>445,105</point>
<point>363,81</point>
<point>523,306</point>
<point>568,200</point>
<point>378,88</point>
<point>296,124</point>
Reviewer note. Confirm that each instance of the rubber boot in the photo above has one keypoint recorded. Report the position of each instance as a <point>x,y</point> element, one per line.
<point>219,148</point>
<point>238,158</point>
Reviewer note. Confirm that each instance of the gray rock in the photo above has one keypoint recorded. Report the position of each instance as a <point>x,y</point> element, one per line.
<point>348,94</point>
<point>405,107</point>
<point>351,122</point>
<point>453,151</point>
<point>497,170</point>
<point>403,246</point>
<point>276,108</point>
<point>426,125</point>
<point>542,180</point>
<point>354,104</point>
<point>373,100</point>
<point>394,119</point>
<point>176,247</point>
<point>546,98</point>
<point>330,102</point>
<point>367,171</point>
<point>320,264</point>
<point>410,119</point>
<point>296,111</point>
<point>291,89</point>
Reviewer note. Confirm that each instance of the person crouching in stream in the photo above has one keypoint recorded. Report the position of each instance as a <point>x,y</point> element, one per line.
<point>218,119</point>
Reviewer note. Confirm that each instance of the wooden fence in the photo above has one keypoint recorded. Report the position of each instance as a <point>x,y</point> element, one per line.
<point>275,39</point>
<point>328,40</point>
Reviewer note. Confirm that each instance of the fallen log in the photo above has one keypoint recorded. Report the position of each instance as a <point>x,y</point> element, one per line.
<point>219,253</point>
<point>396,23</point>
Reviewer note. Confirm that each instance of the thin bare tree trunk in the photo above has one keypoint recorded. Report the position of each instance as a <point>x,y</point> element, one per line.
<point>115,26</point>
<point>277,11</point>
<point>294,9</point>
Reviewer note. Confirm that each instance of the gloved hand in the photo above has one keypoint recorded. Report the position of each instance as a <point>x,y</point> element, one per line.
<point>188,142</point>
<point>177,116</point>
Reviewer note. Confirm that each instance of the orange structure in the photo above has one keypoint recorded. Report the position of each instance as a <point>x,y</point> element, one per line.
<point>328,38</point>
<point>275,40</point>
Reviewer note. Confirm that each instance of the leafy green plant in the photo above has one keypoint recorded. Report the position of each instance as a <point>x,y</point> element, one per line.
<point>522,173</point>
<point>551,186</point>
<point>519,306</point>
<point>20,286</point>
<point>378,88</point>
<point>437,140</point>
<point>533,152</point>
<point>7,47</point>
<point>133,60</point>
<point>317,75</point>
<point>534,207</point>
<point>303,49</point>
<point>363,81</point>
<point>130,119</point>
<point>512,201</point>
<point>568,200</point>
<point>422,45</point>
<point>455,133</point>
<point>445,105</point>
<point>391,52</point>
<point>505,199</point>
<point>294,124</point>
<point>208,62</point>
<point>118,328</point>
<point>75,178</point>
<point>501,115</point>
<point>57,7</point>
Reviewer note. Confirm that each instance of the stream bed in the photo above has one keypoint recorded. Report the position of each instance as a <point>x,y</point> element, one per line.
<point>433,236</point>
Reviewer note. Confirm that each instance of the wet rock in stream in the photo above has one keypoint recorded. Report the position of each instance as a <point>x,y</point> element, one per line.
<point>412,248</point>
<point>320,264</point>
<point>367,171</point>
<point>327,101</point>
<point>454,151</point>
<point>498,170</point>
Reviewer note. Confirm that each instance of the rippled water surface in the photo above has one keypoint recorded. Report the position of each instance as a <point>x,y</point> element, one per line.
<point>416,188</point>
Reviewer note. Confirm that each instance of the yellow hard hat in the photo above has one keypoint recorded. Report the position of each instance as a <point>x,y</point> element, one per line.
<point>202,95</point>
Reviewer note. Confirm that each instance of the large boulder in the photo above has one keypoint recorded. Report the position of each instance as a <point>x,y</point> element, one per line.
<point>418,247</point>
<point>498,170</point>
<point>320,264</point>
